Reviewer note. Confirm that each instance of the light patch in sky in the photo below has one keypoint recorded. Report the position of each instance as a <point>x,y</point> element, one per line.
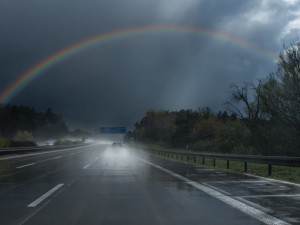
<point>291,2</point>
<point>175,9</point>
<point>292,26</point>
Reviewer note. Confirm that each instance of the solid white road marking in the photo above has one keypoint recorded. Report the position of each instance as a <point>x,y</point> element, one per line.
<point>238,181</point>
<point>87,166</point>
<point>261,208</point>
<point>58,157</point>
<point>251,211</point>
<point>19,167</point>
<point>44,196</point>
<point>272,196</point>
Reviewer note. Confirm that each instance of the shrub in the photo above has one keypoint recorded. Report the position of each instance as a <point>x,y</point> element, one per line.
<point>67,142</point>
<point>21,136</point>
<point>4,143</point>
<point>233,136</point>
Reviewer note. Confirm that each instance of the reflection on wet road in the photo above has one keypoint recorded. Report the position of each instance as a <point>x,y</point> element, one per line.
<point>104,185</point>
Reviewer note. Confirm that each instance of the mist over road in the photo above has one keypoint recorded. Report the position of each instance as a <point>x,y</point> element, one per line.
<point>101,184</point>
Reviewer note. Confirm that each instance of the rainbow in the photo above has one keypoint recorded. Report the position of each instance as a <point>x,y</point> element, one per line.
<point>63,54</point>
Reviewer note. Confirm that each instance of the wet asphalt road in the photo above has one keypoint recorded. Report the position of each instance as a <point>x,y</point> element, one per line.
<point>103,185</point>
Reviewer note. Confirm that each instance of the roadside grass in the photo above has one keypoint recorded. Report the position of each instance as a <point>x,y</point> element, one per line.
<point>284,173</point>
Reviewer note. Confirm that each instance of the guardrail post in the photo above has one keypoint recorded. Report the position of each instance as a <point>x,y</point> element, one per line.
<point>270,169</point>
<point>181,157</point>
<point>214,161</point>
<point>176,156</point>
<point>227,166</point>
<point>195,159</point>
<point>187,158</point>
<point>245,166</point>
<point>203,160</point>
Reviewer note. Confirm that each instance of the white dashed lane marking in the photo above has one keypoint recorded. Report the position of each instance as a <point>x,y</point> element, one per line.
<point>58,157</point>
<point>19,167</point>
<point>87,166</point>
<point>44,196</point>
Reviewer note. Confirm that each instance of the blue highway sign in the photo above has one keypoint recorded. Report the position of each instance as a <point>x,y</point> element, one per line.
<point>112,130</point>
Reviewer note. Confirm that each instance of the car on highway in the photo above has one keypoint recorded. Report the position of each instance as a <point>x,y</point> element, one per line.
<point>117,144</point>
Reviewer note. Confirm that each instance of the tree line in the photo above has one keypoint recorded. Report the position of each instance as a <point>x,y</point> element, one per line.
<point>261,117</point>
<point>24,124</point>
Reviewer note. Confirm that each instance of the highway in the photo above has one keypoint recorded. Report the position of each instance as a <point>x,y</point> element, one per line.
<point>99,184</point>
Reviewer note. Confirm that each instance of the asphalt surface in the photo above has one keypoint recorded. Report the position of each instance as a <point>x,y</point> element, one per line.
<point>100,184</point>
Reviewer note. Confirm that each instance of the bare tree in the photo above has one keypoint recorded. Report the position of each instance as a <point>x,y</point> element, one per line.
<point>251,98</point>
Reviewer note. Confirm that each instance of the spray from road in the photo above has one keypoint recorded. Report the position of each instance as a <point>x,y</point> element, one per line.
<point>119,157</point>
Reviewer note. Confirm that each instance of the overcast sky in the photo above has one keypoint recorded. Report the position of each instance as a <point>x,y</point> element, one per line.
<point>116,82</point>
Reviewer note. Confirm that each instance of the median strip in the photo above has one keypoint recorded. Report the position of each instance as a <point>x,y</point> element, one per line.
<point>44,196</point>
<point>40,153</point>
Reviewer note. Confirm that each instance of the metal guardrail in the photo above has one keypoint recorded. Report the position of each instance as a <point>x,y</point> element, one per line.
<point>269,160</point>
<point>23,150</point>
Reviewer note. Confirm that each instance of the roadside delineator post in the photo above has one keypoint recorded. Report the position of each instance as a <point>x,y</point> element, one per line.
<point>270,169</point>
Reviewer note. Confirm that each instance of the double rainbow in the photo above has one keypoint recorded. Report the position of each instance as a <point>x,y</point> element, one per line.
<point>63,54</point>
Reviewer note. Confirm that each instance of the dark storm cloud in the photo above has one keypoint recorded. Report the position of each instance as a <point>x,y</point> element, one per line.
<point>116,82</point>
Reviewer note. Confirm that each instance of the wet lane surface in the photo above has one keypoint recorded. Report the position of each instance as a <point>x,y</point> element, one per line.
<point>104,185</point>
